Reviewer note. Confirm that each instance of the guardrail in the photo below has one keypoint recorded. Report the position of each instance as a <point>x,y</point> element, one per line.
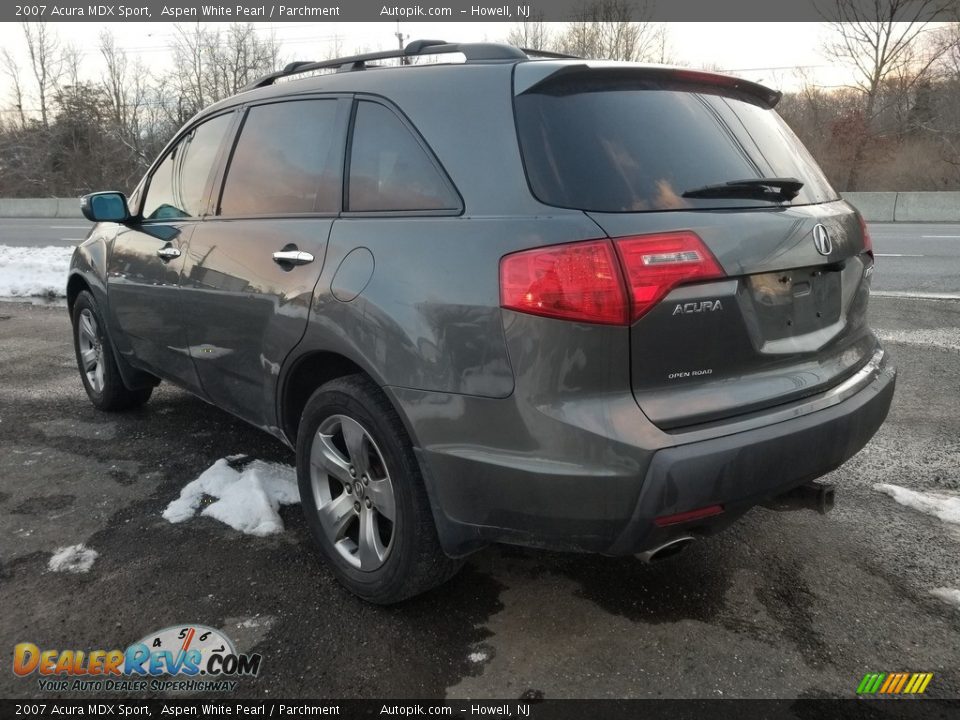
<point>40,208</point>
<point>875,206</point>
<point>907,206</point>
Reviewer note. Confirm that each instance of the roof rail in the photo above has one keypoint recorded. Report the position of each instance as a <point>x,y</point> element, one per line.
<point>474,52</point>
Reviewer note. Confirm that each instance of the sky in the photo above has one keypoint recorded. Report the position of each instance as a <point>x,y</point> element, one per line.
<point>766,52</point>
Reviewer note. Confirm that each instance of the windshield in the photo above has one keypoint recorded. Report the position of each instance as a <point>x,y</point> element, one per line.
<point>634,146</point>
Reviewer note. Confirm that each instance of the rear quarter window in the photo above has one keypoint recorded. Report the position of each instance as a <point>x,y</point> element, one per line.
<point>623,146</point>
<point>389,169</point>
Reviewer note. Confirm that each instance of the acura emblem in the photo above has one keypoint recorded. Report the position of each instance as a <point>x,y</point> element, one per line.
<point>821,240</point>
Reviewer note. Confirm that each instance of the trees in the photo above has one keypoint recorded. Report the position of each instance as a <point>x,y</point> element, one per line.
<point>63,132</point>
<point>891,51</point>
<point>604,29</point>
<point>69,136</point>
<point>533,34</point>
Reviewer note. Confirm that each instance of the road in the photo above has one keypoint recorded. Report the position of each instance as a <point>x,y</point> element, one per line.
<point>911,257</point>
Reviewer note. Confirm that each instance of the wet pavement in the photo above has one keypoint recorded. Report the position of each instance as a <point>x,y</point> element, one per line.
<point>781,605</point>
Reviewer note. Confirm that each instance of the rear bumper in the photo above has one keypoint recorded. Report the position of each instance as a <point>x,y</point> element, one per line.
<point>595,479</point>
<point>743,470</point>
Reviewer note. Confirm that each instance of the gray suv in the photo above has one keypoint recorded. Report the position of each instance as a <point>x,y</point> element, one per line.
<point>546,301</point>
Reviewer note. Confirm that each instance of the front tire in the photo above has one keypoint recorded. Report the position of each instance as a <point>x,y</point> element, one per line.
<point>98,367</point>
<point>363,495</point>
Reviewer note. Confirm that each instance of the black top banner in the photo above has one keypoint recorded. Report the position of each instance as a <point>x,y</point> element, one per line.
<point>475,10</point>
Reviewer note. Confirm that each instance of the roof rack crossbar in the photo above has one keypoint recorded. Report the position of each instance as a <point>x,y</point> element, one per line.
<point>474,52</point>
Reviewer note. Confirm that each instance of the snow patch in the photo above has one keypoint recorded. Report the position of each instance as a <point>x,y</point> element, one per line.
<point>73,558</point>
<point>34,271</point>
<point>477,657</point>
<point>948,595</point>
<point>247,500</point>
<point>945,507</point>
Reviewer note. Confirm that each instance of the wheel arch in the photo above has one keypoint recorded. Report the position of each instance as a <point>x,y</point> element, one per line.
<point>310,370</point>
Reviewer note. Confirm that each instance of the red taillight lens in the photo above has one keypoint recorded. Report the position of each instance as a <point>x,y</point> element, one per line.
<point>655,264</point>
<point>690,516</point>
<point>578,281</point>
<point>867,240</point>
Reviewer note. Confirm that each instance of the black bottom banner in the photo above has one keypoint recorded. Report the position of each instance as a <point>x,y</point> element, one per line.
<point>536,709</point>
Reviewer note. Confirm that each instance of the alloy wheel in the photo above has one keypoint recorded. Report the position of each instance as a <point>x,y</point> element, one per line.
<point>353,492</point>
<point>91,349</point>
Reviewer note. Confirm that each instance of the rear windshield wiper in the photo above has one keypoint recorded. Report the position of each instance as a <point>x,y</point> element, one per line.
<point>761,188</point>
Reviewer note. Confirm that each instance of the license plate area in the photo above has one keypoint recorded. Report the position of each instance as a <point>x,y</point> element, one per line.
<point>796,302</point>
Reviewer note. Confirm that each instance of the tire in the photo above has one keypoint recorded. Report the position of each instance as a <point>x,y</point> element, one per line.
<point>349,424</point>
<point>98,367</point>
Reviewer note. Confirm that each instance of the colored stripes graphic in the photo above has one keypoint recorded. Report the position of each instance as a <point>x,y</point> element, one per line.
<point>894,683</point>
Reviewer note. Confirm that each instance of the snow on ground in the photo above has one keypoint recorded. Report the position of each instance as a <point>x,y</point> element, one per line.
<point>247,500</point>
<point>948,595</point>
<point>74,559</point>
<point>34,271</point>
<point>945,507</point>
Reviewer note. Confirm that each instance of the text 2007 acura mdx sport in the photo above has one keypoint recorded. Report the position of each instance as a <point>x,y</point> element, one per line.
<point>552,302</point>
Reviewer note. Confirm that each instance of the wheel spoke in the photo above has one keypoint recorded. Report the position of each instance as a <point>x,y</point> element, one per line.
<point>325,454</point>
<point>89,357</point>
<point>88,327</point>
<point>355,439</point>
<point>98,375</point>
<point>380,493</point>
<point>370,550</point>
<point>335,517</point>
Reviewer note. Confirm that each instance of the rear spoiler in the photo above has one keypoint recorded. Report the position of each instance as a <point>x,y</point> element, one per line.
<point>533,76</point>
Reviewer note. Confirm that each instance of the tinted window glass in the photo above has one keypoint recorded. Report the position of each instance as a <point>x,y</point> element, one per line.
<point>620,147</point>
<point>389,170</point>
<point>177,185</point>
<point>287,160</point>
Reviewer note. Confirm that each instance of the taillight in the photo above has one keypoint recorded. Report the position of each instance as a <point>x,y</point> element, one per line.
<point>577,281</point>
<point>583,281</point>
<point>867,240</point>
<point>655,264</point>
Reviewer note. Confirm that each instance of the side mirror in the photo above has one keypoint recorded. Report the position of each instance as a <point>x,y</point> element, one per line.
<point>105,207</point>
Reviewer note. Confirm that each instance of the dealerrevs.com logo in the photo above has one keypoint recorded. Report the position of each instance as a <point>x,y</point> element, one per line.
<point>178,658</point>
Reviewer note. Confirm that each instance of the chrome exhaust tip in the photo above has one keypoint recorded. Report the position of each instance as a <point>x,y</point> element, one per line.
<point>668,549</point>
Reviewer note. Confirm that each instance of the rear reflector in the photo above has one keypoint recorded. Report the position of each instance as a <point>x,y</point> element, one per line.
<point>577,281</point>
<point>655,264</point>
<point>689,516</point>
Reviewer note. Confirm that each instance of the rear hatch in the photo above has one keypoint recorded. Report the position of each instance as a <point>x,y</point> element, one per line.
<point>779,312</point>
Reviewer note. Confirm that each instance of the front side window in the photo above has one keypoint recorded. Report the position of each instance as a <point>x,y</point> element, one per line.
<point>287,160</point>
<point>390,170</point>
<point>178,184</point>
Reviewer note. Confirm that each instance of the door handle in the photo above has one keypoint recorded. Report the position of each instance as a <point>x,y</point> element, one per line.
<point>292,257</point>
<point>168,253</point>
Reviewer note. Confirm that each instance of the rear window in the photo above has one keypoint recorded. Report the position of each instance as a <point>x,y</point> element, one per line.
<point>635,146</point>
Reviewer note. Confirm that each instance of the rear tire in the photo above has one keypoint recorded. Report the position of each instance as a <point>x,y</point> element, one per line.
<point>98,368</point>
<point>363,495</point>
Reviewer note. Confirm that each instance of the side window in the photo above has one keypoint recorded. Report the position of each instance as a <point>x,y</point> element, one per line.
<point>287,160</point>
<point>177,185</point>
<point>389,170</point>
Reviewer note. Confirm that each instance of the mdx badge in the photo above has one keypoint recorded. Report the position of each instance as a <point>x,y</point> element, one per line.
<point>821,240</point>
